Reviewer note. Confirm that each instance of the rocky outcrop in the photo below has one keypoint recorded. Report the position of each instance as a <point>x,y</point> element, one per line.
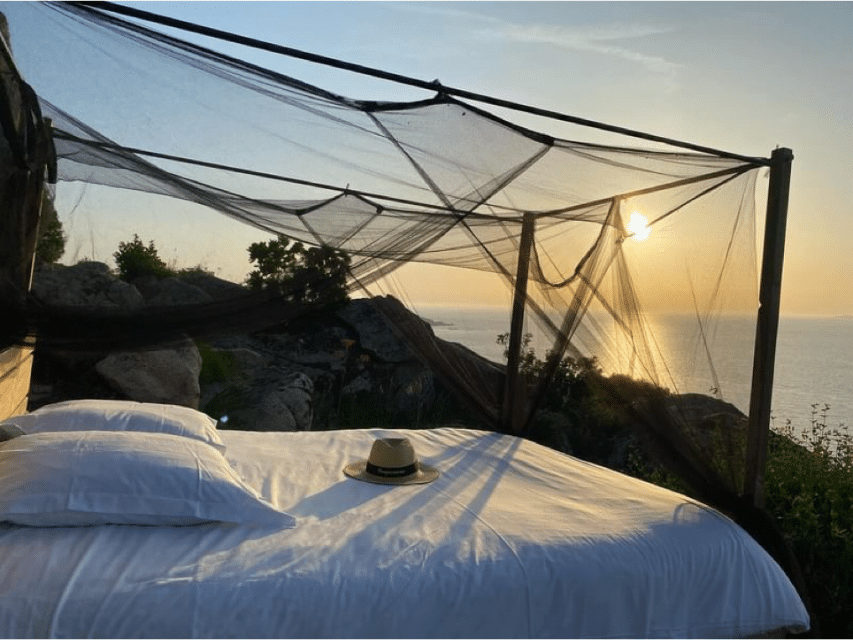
<point>312,373</point>
<point>284,404</point>
<point>216,288</point>
<point>169,291</point>
<point>168,376</point>
<point>306,377</point>
<point>704,426</point>
<point>300,377</point>
<point>84,284</point>
<point>706,415</point>
<point>374,336</point>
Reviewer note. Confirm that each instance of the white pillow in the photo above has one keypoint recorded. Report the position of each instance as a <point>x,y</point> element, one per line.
<point>101,477</point>
<point>9,431</point>
<point>119,415</point>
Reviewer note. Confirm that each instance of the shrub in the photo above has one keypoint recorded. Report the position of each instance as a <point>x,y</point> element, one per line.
<point>317,275</point>
<point>51,243</point>
<point>216,365</point>
<point>808,489</point>
<point>134,260</point>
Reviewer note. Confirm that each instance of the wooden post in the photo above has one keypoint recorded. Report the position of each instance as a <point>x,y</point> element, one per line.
<point>513,398</point>
<point>767,324</point>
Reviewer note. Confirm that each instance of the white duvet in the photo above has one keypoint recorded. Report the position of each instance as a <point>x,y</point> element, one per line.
<point>512,540</point>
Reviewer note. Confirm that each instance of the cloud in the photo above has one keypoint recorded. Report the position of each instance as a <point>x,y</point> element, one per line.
<point>606,40</point>
<point>602,40</point>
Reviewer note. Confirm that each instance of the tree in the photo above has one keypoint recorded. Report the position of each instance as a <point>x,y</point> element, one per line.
<point>316,275</point>
<point>52,238</point>
<point>135,260</point>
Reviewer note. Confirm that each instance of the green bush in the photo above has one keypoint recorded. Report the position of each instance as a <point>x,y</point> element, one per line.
<point>316,275</point>
<point>216,365</point>
<point>51,243</point>
<point>134,260</point>
<point>808,489</point>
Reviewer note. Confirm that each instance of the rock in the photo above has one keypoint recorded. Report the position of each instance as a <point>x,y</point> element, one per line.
<point>216,288</point>
<point>85,284</point>
<point>284,403</point>
<point>169,291</point>
<point>287,404</point>
<point>707,427</point>
<point>246,359</point>
<point>412,391</point>
<point>707,418</point>
<point>346,357</point>
<point>374,334</point>
<point>168,376</point>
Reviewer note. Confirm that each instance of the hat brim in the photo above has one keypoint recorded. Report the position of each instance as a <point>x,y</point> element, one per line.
<point>424,474</point>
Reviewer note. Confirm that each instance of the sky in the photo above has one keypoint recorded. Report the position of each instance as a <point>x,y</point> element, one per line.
<point>744,77</point>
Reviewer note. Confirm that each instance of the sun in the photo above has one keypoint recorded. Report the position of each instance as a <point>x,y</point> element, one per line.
<point>638,227</point>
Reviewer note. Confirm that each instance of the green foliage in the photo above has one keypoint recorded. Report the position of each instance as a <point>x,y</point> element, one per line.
<point>570,380</point>
<point>216,365</point>
<point>579,392</point>
<point>317,275</point>
<point>51,243</point>
<point>808,489</point>
<point>199,269</point>
<point>134,260</point>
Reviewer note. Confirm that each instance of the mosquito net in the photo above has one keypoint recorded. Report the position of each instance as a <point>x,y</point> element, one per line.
<point>643,258</point>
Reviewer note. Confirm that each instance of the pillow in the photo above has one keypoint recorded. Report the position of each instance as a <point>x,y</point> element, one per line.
<point>119,415</point>
<point>80,478</point>
<point>9,431</point>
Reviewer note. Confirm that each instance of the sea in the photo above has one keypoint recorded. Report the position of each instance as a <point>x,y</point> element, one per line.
<point>813,377</point>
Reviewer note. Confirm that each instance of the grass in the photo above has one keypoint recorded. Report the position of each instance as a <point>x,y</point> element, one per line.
<point>216,365</point>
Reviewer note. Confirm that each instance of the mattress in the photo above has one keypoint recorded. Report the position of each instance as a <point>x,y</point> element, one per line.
<point>512,540</point>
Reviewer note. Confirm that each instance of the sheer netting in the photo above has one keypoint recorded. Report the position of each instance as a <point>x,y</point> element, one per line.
<point>437,180</point>
<point>643,258</point>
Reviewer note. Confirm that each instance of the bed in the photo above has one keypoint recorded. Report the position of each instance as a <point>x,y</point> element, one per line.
<point>511,540</point>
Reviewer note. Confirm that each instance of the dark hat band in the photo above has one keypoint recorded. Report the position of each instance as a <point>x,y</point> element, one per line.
<point>391,472</point>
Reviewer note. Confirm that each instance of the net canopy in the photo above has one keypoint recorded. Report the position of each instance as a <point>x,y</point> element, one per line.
<point>641,257</point>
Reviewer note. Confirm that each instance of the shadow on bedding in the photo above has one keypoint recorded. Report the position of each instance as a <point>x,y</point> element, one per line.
<point>486,461</point>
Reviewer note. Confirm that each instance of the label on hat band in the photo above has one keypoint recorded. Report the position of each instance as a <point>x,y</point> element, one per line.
<point>391,472</point>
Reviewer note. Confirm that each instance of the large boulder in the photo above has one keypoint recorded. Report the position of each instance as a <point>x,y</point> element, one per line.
<point>707,419</point>
<point>271,399</point>
<point>168,376</point>
<point>374,335</point>
<point>285,405</point>
<point>216,288</point>
<point>85,284</point>
<point>169,291</point>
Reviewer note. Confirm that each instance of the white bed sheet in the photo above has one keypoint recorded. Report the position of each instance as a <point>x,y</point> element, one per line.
<point>512,540</point>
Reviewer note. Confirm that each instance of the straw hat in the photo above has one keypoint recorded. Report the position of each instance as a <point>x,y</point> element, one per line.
<point>392,461</point>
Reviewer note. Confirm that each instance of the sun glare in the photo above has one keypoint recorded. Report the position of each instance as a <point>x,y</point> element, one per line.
<point>638,227</point>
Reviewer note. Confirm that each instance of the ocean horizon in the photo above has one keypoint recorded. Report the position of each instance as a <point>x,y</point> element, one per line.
<point>813,370</point>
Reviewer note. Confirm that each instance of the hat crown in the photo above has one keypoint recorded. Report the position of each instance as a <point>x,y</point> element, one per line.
<point>392,452</point>
<point>392,461</point>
